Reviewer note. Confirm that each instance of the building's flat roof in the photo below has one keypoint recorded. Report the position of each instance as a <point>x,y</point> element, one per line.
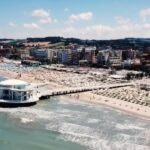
<point>117,76</point>
<point>12,82</point>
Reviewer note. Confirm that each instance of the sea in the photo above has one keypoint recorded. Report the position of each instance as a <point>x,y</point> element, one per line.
<point>56,124</point>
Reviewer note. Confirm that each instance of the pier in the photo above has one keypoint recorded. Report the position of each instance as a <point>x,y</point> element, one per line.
<point>71,90</point>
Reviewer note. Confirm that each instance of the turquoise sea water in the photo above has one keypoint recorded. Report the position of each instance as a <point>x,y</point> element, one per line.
<point>69,125</point>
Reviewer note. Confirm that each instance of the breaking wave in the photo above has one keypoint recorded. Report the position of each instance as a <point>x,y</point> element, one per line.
<point>89,126</point>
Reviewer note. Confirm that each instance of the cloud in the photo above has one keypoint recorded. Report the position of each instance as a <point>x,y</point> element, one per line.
<point>31,25</point>
<point>43,16</point>
<point>145,14</point>
<point>121,20</point>
<point>86,16</point>
<point>90,32</point>
<point>46,20</point>
<point>11,24</point>
<point>124,27</point>
<point>41,13</point>
<point>99,31</point>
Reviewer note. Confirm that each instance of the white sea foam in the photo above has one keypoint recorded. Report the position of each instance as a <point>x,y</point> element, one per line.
<point>26,120</point>
<point>72,129</point>
<point>36,114</point>
<point>145,135</point>
<point>89,137</point>
<point>29,113</point>
<point>123,137</point>
<point>92,120</point>
<point>77,130</point>
<point>101,144</point>
<point>63,102</point>
<point>85,135</point>
<point>128,126</point>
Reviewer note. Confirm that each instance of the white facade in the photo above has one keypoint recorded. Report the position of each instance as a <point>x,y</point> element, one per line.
<point>15,90</point>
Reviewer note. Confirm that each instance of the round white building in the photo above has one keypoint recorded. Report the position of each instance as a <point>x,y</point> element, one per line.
<point>17,92</point>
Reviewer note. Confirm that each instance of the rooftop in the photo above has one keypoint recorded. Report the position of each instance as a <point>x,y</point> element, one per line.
<point>12,82</point>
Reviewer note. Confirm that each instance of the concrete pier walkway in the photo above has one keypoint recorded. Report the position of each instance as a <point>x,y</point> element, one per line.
<point>48,93</point>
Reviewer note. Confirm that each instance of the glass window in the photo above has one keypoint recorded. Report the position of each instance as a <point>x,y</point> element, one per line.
<point>6,92</point>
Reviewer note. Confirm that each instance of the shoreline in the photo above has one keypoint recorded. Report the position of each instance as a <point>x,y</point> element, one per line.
<point>44,76</point>
<point>109,102</point>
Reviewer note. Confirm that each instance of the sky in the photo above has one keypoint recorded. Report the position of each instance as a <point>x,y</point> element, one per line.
<point>86,19</point>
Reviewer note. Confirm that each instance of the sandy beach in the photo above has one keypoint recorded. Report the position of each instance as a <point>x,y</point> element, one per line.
<point>59,79</point>
<point>127,107</point>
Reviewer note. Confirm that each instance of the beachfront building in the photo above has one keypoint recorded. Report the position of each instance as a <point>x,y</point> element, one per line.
<point>103,58</point>
<point>49,55</point>
<point>129,54</point>
<point>23,53</point>
<point>86,54</point>
<point>75,57</point>
<point>52,55</point>
<point>15,90</point>
<point>115,58</point>
<point>40,53</point>
<point>64,56</point>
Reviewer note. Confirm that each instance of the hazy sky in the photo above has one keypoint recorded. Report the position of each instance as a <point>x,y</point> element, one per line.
<point>87,19</point>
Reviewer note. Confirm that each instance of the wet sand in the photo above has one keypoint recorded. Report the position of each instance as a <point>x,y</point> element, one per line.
<point>128,107</point>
